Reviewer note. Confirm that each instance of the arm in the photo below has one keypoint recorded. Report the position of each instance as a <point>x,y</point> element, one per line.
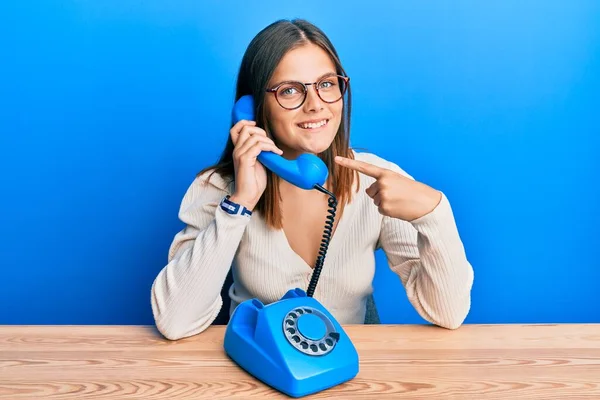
<point>185,295</point>
<point>420,239</point>
<point>429,257</point>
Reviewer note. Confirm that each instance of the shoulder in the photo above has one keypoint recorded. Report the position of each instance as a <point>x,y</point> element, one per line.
<point>381,162</point>
<point>208,187</point>
<point>212,180</point>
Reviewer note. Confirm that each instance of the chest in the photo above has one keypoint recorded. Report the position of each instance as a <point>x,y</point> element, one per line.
<point>270,262</point>
<point>304,222</point>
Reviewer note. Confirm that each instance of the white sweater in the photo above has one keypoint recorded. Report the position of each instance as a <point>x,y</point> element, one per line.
<point>427,254</point>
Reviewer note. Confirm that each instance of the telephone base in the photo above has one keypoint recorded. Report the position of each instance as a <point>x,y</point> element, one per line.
<point>293,345</point>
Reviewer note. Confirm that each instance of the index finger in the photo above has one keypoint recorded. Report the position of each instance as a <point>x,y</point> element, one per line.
<point>360,166</point>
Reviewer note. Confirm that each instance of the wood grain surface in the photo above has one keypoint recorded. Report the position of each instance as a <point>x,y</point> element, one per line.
<point>480,362</point>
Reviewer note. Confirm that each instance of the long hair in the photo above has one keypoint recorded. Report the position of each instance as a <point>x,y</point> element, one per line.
<point>260,60</point>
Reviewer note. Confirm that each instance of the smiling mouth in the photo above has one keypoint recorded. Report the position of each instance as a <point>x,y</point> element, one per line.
<point>313,125</point>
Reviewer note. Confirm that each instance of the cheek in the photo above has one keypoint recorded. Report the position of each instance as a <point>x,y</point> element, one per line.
<point>339,107</point>
<point>283,127</point>
<point>286,126</point>
<point>278,120</point>
<point>337,110</point>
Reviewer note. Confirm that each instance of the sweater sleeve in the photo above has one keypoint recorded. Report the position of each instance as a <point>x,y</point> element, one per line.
<point>429,257</point>
<point>185,296</point>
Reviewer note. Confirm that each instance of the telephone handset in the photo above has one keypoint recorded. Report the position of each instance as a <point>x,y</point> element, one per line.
<point>293,345</point>
<point>305,172</point>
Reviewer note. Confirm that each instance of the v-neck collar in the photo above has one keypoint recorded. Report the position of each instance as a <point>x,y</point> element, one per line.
<point>334,243</point>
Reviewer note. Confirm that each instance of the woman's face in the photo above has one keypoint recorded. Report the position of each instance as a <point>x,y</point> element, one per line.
<point>311,127</point>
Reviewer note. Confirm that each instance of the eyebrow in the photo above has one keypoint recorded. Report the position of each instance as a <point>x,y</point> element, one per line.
<point>296,80</point>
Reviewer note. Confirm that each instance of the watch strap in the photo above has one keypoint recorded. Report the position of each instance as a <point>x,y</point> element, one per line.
<point>233,208</point>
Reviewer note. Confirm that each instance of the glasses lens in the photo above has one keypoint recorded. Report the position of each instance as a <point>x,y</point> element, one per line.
<point>332,88</point>
<point>290,95</point>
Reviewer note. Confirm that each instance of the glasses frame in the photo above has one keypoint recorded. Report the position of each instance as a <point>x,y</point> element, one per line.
<point>275,89</point>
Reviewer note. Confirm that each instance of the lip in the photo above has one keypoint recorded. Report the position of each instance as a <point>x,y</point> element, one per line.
<point>314,130</point>
<point>312,121</point>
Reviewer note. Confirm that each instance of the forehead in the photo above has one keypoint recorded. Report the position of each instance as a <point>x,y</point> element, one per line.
<point>305,63</point>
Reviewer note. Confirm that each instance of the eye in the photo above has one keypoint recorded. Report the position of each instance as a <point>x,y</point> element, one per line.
<point>327,84</point>
<point>291,90</point>
<point>288,91</point>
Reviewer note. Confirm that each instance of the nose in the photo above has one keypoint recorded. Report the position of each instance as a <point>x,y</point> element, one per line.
<point>313,102</point>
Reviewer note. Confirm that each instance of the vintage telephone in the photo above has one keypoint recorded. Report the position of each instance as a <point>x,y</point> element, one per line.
<point>293,345</point>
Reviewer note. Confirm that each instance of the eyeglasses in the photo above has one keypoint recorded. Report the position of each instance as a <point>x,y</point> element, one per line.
<point>292,94</point>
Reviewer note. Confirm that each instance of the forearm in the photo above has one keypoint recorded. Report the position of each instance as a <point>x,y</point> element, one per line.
<point>438,280</point>
<point>440,289</point>
<point>186,293</point>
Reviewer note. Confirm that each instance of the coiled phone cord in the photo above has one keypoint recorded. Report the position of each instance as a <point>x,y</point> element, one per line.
<point>327,234</point>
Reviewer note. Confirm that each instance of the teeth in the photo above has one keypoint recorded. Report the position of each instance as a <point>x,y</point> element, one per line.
<point>313,125</point>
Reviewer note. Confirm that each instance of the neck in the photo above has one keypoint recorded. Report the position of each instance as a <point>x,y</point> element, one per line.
<point>286,188</point>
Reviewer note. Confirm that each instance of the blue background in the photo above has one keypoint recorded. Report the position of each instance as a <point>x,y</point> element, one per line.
<point>109,108</point>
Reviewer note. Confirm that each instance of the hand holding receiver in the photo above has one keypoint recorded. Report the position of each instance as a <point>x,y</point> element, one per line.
<point>250,176</point>
<point>305,172</point>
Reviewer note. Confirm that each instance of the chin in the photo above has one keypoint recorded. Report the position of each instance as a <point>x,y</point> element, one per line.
<point>315,144</point>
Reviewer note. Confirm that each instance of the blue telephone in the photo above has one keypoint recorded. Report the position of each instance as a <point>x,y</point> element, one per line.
<point>293,345</point>
<point>305,172</point>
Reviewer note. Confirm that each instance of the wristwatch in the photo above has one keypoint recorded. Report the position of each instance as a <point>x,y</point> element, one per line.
<point>234,208</point>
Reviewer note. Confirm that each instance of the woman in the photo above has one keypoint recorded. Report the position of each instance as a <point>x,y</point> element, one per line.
<point>302,98</point>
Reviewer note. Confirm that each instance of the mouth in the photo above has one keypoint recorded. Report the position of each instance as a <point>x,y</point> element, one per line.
<point>313,125</point>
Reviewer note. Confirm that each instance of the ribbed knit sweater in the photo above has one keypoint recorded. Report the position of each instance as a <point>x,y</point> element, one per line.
<point>427,254</point>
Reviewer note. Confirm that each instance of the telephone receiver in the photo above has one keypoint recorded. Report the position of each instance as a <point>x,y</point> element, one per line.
<point>306,172</point>
<point>294,345</point>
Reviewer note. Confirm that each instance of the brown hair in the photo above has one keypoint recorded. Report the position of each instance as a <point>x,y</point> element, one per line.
<point>260,60</point>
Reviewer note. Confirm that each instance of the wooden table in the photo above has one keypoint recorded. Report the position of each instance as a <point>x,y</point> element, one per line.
<point>404,362</point>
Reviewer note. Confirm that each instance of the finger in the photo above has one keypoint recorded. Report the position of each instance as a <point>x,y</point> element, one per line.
<point>250,141</point>
<point>243,144</point>
<point>377,200</point>
<point>361,166</point>
<point>373,189</point>
<point>236,129</point>
<point>248,132</point>
<point>260,142</point>
<point>261,146</point>
<point>240,140</point>
<point>250,155</point>
<point>254,130</point>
